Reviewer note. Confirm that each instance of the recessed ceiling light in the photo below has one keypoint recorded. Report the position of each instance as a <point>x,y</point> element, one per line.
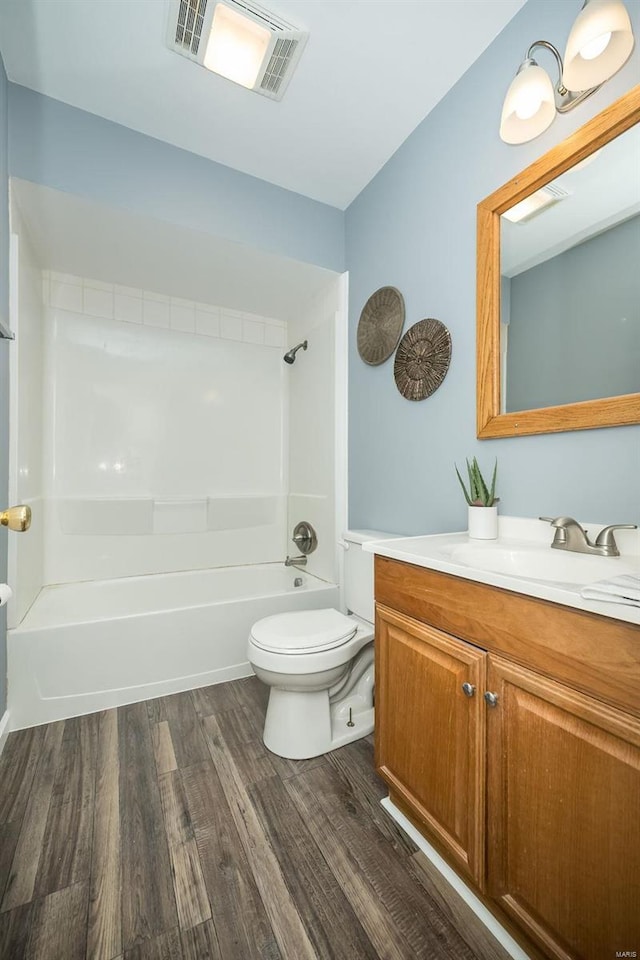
<point>239,41</point>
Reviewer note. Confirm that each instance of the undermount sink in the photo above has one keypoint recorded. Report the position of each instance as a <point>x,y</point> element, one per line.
<point>540,562</point>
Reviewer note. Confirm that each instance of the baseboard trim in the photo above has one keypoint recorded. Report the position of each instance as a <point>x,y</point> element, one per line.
<point>485,916</point>
<point>5,729</point>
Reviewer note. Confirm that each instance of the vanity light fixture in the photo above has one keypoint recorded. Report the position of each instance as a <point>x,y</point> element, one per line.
<point>600,42</point>
<point>238,40</point>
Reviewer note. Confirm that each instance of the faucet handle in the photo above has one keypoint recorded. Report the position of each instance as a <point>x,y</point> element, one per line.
<point>562,524</point>
<point>606,538</point>
<point>567,532</point>
<point>560,521</point>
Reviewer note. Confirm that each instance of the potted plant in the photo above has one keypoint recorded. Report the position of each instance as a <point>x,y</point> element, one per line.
<point>482,502</point>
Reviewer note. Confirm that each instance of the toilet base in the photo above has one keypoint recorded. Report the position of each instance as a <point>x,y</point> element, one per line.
<point>299,726</point>
<point>302,726</point>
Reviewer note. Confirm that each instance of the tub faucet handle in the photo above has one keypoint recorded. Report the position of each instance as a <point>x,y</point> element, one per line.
<point>305,537</point>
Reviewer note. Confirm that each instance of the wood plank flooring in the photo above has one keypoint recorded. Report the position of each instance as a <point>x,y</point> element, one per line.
<point>165,830</point>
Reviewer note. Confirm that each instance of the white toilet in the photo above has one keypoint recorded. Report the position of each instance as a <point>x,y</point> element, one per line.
<point>319,665</point>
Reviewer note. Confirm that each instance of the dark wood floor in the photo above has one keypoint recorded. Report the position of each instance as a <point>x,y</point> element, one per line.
<point>166,831</point>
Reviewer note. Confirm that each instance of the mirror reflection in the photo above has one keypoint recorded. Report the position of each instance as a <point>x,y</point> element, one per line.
<point>570,284</point>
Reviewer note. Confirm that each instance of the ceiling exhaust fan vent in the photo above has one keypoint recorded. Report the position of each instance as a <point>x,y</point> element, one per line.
<point>188,33</point>
<point>265,17</point>
<point>278,65</point>
<point>555,191</point>
<point>189,30</point>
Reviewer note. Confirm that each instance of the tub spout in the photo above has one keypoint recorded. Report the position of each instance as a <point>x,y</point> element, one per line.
<point>296,561</point>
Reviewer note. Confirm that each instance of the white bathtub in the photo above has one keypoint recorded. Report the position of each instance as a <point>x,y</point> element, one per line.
<point>87,646</point>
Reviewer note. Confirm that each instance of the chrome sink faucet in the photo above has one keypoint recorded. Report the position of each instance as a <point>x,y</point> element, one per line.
<point>570,535</point>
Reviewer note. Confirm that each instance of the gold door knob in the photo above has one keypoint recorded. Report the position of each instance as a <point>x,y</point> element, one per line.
<point>16,518</point>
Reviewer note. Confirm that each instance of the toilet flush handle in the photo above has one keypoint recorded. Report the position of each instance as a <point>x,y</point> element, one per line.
<point>344,544</point>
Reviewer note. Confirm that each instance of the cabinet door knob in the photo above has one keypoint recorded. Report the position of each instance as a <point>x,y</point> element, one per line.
<point>491,699</point>
<point>468,689</point>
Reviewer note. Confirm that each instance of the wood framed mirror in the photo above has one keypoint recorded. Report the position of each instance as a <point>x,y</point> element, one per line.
<point>496,414</point>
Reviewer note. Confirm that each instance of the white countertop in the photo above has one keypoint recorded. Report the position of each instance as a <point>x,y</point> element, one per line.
<point>517,533</point>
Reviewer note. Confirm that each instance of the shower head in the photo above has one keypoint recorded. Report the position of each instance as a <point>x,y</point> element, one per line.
<point>290,355</point>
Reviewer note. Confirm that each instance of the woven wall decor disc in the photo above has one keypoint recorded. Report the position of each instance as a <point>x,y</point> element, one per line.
<point>422,359</point>
<point>380,325</point>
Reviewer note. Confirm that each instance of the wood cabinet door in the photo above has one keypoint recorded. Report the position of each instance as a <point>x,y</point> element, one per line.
<point>430,735</point>
<point>563,815</point>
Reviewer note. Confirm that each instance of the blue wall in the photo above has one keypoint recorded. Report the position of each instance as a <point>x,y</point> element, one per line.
<point>414,227</point>
<point>5,346</point>
<point>594,326</point>
<point>70,150</point>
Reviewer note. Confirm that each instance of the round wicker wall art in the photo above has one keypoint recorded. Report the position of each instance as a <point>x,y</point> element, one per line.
<point>380,325</point>
<point>422,359</point>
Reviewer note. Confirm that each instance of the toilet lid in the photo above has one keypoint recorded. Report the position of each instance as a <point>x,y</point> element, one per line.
<point>306,631</point>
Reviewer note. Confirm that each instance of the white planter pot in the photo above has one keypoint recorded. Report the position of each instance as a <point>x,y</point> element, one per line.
<point>483,523</point>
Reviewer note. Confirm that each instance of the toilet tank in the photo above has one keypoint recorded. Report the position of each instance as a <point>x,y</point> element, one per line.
<point>358,571</point>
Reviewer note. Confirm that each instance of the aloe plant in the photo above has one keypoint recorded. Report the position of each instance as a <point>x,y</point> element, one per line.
<point>478,493</point>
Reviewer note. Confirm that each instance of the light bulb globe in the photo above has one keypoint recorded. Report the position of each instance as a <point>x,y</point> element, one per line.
<point>529,106</point>
<point>600,42</point>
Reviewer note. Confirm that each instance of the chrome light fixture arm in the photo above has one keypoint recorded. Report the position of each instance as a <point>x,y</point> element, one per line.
<point>565,99</point>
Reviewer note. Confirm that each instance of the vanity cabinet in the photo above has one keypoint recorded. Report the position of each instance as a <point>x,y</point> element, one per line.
<point>533,797</point>
<point>563,810</point>
<point>430,748</point>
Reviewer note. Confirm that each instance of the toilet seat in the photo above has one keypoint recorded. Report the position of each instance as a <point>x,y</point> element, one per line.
<point>303,632</point>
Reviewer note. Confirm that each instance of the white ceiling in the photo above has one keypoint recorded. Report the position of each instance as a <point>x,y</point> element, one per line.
<point>371,71</point>
<point>73,235</point>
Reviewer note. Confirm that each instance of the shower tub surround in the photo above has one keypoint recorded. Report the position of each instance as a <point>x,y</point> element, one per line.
<point>165,437</point>
<point>160,475</point>
<point>162,444</point>
<point>89,646</point>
